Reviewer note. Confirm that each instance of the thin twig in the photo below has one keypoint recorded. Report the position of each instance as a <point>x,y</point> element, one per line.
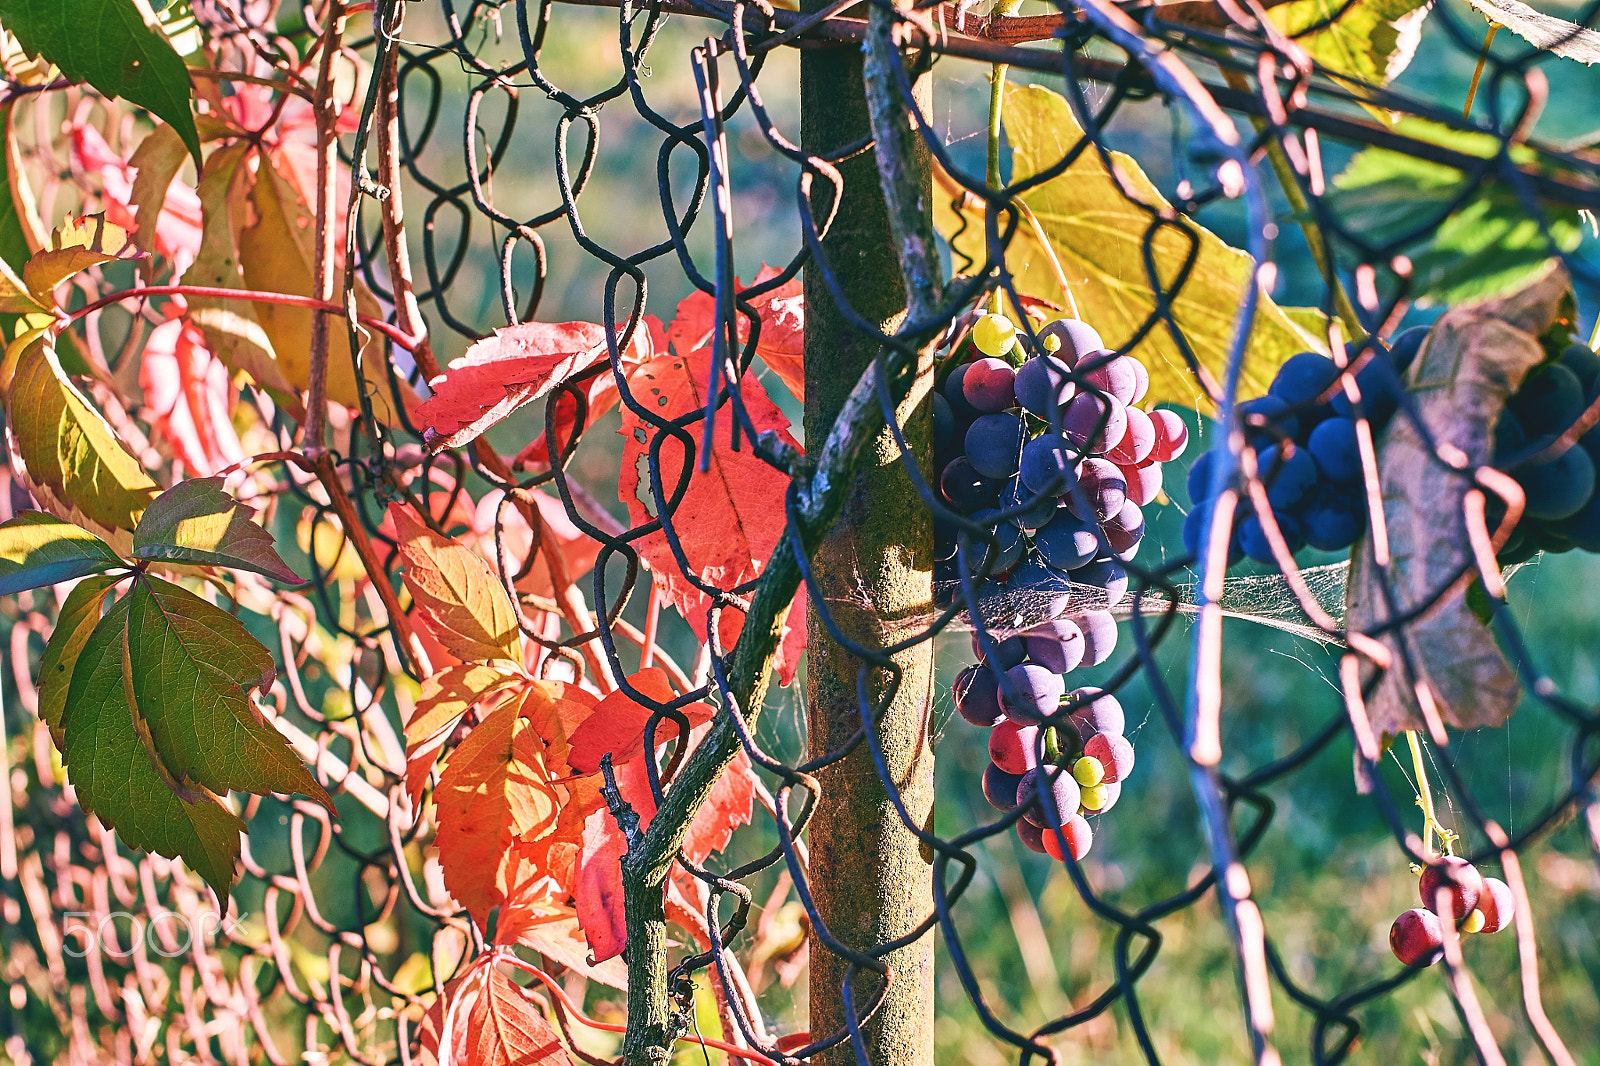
<point>326,250</point>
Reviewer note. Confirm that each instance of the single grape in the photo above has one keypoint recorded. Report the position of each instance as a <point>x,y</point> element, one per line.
<point>1067,542</point>
<point>1144,482</point>
<point>1128,519</point>
<point>1100,709</point>
<point>1550,399</point>
<point>965,488</point>
<point>1110,792</point>
<point>1013,746</point>
<point>994,335</point>
<point>1076,339</point>
<point>1008,538</point>
<point>1101,487</point>
<point>1198,481</point>
<point>1099,630</point>
<point>1062,788</point>
<point>1332,522</point>
<point>1197,531</point>
<point>1334,448</point>
<point>1032,836</point>
<point>1114,752</point>
<point>994,444</point>
<point>1172,435</point>
<point>1496,904</point>
<point>990,385</point>
<point>1094,423</point>
<point>1095,798</point>
<point>1106,575</point>
<point>1141,378</point>
<point>944,422</point>
<point>1253,537</point>
<point>1559,488</point>
<point>977,696</point>
<point>956,397</point>
<point>1584,364</point>
<point>1049,464</point>
<point>1036,509</point>
<point>1088,771</point>
<point>1043,384</point>
<point>1138,440</point>
<point>1417,938</point>
<point>1405,346</point>
<point>1056,645</point>
<point>1289,473</point>
<point>1034,692</point>
<point>1267,419</point>
<point>1124,543</point>
<point>1000,788</point>
<point>1007,653</point>
<point>1042,587</point>
<point>1115,376</point>
<point>1078,835</point>
<point>1379,384</point>
<point>1303,378</point>
<point>1456,876</point>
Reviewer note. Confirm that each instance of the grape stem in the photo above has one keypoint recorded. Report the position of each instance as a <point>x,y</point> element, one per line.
<point>1477,73</point>
<point>1430,824</point>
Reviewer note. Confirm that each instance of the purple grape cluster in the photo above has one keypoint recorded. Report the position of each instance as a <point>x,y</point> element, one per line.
<point>1306,437</point>
<point>1046,446</point>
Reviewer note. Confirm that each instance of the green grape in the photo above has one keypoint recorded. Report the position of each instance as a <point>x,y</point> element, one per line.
<point>1088,772</point>
<point>994,335</point>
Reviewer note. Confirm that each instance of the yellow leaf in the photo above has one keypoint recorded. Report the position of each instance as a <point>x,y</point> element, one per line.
<point>460,599</point>
<point>76,245</point>
<point>1097,233</point>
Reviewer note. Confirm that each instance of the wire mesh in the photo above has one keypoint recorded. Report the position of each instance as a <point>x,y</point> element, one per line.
<point>92,931</point>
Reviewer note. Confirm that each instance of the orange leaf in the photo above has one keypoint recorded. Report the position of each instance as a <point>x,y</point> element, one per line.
<point>617,724</point>
<point>730,518</point>
<point>460,599</point>
<point>494,1023</point>
<point>501,373</point>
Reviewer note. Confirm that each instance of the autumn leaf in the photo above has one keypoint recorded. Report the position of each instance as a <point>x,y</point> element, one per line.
<point>460,599</point>
<point>600,392</point>
<point>187,392</point>
<point>731,517</point>
<point>40,549</point>
<point>501,373</point>
<point>617,725</point>
<point>493,1023</point>
<point>781,341</point>
<point>76,245</point>
<point>1098,235</point>
<point>447,693</point>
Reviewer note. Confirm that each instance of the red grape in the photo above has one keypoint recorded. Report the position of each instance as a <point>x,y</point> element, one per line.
<point>1417,938</point>
<point>1172,435</point>
<point>1114,752</point>
<point>990,385</point>
<point>1137,442</point>
<point>1079,838</point>
<point>1497,904</point>
<point>977,696</point>
<point>1013,746</point>
<point>1456,875</point>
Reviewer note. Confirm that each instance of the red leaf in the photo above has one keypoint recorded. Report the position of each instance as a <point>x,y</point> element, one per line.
<point>731,517</point>
<point>783,319</point>
<point>492,1023</point>
<point>187,397</point>
<point>648,341</point>
<point>501,373</point>
<point>617,724</point>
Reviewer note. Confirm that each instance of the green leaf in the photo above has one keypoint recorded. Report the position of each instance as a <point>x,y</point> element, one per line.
<point>1098,237</point>
<point>70,457</point>
<point>77,620</point>
<point>197,522</point>
<point>40,549</point>
<point>107,44</point>
<point>1487,246</point>
<point>1366,41</point>
<point>194,665</point>
<point>118,777</point>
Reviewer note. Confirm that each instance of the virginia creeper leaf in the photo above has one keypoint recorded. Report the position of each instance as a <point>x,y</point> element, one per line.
<point>500,373</point>
<point>66,452</point>
<point>187,394</point>
<point>460,598</point>
<point>14,247</point>
<point>77,620</point>
<point>108,44</point>
<point>448,693</point>
<point>649,340</point>
<point>494,1024</point>
<point>162,227</point>
<point>731,517</point>
<point>1098,236</point>
<point>197,522</point>
<point>783,318</point>
<point>112,763</point>
<point>617,724</point>
<point>40,549</point>
<point>76,245</point>
<point>231,328</point>
<point>194,665</point>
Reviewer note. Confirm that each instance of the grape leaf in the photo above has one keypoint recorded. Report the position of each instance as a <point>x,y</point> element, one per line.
<point>193,666</point>
<point>1476,356</point>
<point>731,517</point>
<point>116,773</point>
<point>1368,42</point>
<point>108,44</point>
<point>1488,244</point>
<point>80,613</point>
<point>1098,236</point>
<point>231,328</point>
<point>67,454</point>
<point>76,245</point>
<point>461,600</point>
<point>40,549</point>
<point>1566,39</point>
<point>501,373</point>
<point>197,522</point>
<point>494,1024</point>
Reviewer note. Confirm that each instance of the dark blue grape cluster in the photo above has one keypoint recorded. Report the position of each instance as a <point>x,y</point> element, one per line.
<point>1046,446</point>
<point>1306,437</point>
<point>1562,510</point>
